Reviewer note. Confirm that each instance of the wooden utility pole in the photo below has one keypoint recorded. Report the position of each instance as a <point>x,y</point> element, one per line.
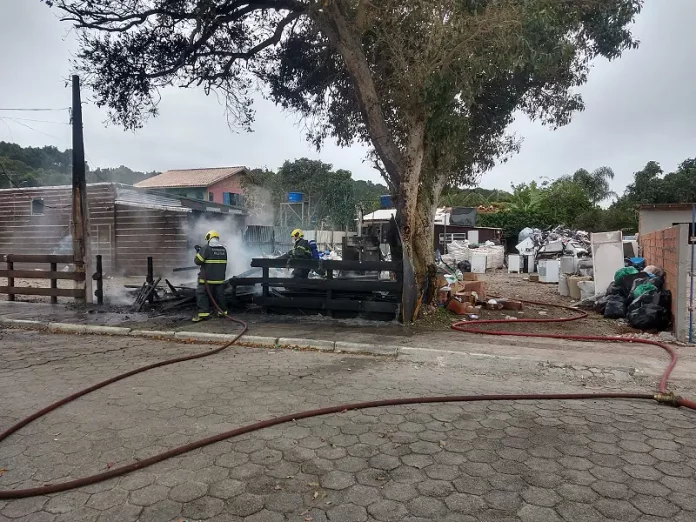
<point>80,211</point>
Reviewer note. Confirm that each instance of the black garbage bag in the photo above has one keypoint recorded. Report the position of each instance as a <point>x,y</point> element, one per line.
<point>648,298</point>
<point>601,304</point>
<point>614,289</point>
<point>615,307</point>
<point>464,266</point>
<point>665,299</point>
<point>631,281</point>
<point>650,317</point>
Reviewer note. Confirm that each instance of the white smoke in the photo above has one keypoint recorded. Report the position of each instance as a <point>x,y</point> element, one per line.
<point>231,237</point>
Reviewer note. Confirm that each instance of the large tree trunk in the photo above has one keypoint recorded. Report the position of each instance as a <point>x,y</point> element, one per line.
<point>415,200</point>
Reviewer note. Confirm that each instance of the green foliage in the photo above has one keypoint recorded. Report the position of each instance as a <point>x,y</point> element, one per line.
<point>48,166</point>
<point>333,196</point>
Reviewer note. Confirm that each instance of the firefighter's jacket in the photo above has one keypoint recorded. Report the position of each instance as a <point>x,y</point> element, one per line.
<point>301,250</point>
<point>212,259</point>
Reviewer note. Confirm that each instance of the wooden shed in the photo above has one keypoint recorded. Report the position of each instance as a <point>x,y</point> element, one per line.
<point>127,225</point>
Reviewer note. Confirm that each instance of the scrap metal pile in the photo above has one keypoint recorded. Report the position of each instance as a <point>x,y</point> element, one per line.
<point>554,242</point>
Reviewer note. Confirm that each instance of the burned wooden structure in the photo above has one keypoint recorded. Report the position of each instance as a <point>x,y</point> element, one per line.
<point>351,288</point>
<point>127,224</point>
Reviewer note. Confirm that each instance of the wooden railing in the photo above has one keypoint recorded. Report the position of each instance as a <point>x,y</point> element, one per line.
<point>330,294</point>
<point>53,274</point>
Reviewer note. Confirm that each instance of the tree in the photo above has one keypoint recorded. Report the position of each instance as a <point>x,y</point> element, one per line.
<point>595,184</point>
<point>430,85</point>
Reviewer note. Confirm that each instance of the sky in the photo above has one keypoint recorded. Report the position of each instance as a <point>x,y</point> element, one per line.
<point>639,108</point>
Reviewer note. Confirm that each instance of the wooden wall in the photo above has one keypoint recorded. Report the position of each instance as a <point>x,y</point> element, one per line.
<point>143,232</point>
<point>24,233</point>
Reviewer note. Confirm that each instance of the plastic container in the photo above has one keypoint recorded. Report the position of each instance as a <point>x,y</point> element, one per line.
<point>563,285</point>
<point>587,289</point>
<point>385,201</point>
<point>573,287</point>
<point>295,197</point>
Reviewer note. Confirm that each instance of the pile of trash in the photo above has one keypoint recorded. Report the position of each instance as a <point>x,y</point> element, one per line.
<point>458,251</point>
<point>554,242</point>
<point>638,296</point>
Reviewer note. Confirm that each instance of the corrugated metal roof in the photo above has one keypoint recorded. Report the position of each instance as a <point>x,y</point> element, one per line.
<point>384,214</point>
<point>125,196</point>
<point>190,177</point>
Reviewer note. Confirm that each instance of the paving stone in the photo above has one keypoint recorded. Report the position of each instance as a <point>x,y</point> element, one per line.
<point>347,513</point>
<point>337,480</point>
<point>387,510</point>
<point>475,462</point>
<point>244,505</point>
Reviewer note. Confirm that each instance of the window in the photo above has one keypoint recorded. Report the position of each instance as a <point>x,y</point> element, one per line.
<point>211,196</point>
<point>233,199</point>
<point>692,236</point>
<point>37,207</point>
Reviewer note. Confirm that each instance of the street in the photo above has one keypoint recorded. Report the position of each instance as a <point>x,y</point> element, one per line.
<point>530,461</point>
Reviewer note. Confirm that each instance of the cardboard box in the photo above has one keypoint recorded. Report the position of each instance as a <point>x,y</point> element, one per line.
<point>470,276</point>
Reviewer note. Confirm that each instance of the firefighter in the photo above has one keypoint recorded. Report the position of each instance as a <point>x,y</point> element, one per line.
<point>300,250</point>
<point>212,258</point>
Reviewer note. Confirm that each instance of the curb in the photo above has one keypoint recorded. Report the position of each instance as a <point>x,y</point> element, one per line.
<point>307,344</point>
<point>251,341</point>
<point>372,349</point>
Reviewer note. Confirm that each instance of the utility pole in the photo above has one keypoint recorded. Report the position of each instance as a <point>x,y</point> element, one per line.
<point>80,211</point>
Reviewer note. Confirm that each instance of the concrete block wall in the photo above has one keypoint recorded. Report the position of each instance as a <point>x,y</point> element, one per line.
<point>668,249</point>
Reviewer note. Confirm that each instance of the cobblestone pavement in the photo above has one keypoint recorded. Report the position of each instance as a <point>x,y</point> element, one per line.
<point>532,461</point>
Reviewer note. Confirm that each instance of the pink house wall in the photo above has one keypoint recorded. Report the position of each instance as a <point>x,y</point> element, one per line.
<point>231,184</point>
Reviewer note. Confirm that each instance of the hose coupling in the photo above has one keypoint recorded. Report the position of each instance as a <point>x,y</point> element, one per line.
<point>667,398</point>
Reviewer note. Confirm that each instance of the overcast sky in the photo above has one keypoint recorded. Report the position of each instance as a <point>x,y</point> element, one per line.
<point>641,107</point>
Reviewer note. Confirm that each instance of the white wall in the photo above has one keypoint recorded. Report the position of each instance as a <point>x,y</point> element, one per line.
<point>652,220</point>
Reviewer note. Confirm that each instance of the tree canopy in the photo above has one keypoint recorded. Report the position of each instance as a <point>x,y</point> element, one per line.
<point>430,85</point>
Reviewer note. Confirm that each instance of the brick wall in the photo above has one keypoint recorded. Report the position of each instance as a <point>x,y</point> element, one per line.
<point>662,249</point>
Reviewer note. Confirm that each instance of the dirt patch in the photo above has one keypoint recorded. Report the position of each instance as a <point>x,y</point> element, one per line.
<point>518,286</point>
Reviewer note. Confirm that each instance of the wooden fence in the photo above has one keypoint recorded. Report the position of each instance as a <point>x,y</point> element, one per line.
<point>53,274</point>
<point>346,294</point>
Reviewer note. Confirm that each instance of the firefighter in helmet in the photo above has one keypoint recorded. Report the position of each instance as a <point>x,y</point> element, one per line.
<point>212,258</point>
<point>300,250</point>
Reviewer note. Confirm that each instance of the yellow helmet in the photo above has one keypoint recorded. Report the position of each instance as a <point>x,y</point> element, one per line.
<point>211,234</point>
<point>297,233</point>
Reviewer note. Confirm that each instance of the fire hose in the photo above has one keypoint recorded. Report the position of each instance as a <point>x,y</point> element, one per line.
<point>663,396</point>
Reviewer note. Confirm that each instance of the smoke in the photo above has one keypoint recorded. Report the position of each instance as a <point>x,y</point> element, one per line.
<point>259,204</point>
<point>232,238</point>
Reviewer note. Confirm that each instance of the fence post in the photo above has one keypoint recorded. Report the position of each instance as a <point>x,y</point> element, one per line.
<point>150,277</point>
<point>99,278</point>
<point>10,281</point>
<point>54,283</point>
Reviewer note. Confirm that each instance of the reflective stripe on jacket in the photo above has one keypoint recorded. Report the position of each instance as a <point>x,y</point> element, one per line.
<point>301,250</point>
<point>213,261</point>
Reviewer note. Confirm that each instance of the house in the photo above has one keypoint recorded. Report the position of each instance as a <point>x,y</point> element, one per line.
<point>217,185</point>
<point>377,223</point>
<point>664,215</point>
<point>126,225</point>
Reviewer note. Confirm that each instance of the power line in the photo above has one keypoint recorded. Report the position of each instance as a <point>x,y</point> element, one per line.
<point>4,173</point>
<point>36,110</point>
<point>14,120</point>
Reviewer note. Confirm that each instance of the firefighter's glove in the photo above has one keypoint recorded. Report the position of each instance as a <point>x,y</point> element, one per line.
<point>197,247</point>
